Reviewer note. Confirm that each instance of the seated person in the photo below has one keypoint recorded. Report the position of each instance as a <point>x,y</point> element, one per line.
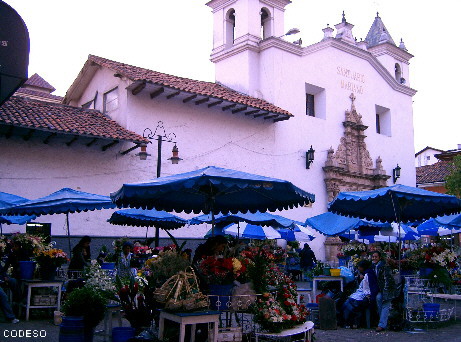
<point>293,265</point>
<point>6,307</point>
<point>359,301</point>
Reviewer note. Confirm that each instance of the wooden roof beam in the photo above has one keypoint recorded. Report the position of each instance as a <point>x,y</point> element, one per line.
<point>109,145</point>
<point>129,150</point>
<point>281,118</point>
<point>270,116</point>
<point>157,92</point>
<point>238,110</point>
<point>48,138</point>
<point>170,96</point>
<point>91,142</point>
<point>140,87</point>
<point>9,132</point>
<point>190,98</point>
<point>212,104</point>
<point>229,107</point>
<point>199,102</point>
<point>70,142</point>
<point>261,114</point>
<point>29,134</point>
<point>251,112</point>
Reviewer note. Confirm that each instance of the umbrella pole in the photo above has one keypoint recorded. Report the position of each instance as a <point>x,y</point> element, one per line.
<point>212,223</point>
<point>147,229</point>
<point>1,229</point>
<point>68,234</point>
<point>238,231</point>
<point>157,236</point>
<point>398,221</point>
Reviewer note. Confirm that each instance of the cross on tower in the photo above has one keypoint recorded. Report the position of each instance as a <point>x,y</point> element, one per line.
<point>352,97</point>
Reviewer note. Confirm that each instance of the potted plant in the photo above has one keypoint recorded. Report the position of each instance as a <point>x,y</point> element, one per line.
<point>26,245</point>
<point>107,259</point>
<point>88,303</point>
<point>49,259</point>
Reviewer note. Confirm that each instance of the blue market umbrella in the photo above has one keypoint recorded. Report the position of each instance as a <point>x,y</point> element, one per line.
<point>8,200</point>
<point>330,224</point>
<point>397,203</point>
<point>442,225</point>
<point>265,219</point>
<point>295,234</point>
<point>212,190</point>
<point>63,201</point>
<point>251,231</point>
<point>146,218</point>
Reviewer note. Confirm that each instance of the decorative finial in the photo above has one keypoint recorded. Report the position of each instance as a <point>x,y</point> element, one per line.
<point>402,45</point>
<point>352,97</point>
<point>377,14</point>
<point>344,17</point>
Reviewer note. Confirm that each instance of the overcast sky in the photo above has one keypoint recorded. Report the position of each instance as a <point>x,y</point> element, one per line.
<point>175,36</point>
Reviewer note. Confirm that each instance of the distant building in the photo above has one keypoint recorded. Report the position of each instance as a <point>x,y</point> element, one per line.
<point>426,156</point>
<point>432,176</point>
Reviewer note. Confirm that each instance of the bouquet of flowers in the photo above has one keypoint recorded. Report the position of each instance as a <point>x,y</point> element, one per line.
<point>134,303</point>
<point>353,248</point>
<point>51,256</point>
<point>100,280</point>
<point>29,243</point>
<point>221,270</point>
<point>142,251</point>
<point>445,258</point>
<point>435,256</point>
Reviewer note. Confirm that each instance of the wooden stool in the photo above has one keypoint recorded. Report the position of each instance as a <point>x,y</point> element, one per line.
<point>193,318</point>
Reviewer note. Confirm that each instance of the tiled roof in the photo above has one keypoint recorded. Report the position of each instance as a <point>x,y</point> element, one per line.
<point>41,94</point>
<point>185,84</point>
<point>59,118</point>
<point>427,148</point>
<point>37,81</point>
<point>433,173</point>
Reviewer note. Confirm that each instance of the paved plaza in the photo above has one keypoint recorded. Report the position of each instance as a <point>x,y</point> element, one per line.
<point>449,333</point>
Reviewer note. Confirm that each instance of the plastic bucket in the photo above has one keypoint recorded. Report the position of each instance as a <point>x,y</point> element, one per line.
<point>71,329</point>
<point>108,266</point>
<point>431,310</point>
<point>335,272</point>
<point>122,334</point>
<point>27,269</point>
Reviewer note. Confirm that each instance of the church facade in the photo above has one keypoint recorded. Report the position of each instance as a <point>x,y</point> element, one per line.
<point>273,100</point>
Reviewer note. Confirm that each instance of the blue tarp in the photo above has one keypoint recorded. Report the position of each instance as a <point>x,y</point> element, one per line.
<point>8,200</point>
<point>147,218</point>
<point>331,224</point>
<point>212,189</point>
<point>265,219</point>
<point>61,202</point>
<point>394,203</point>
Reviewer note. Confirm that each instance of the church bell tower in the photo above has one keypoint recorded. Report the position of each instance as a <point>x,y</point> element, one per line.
<point>239,27</point>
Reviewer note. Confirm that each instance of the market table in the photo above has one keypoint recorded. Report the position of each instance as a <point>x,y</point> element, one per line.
<point>29,284</point>
<point>446,296</point>
<point>192,318</point>
<point>307,329</point>
<point>324,278</point>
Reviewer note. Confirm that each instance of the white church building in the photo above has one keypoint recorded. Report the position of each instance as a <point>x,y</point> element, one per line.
<point>272,100</point>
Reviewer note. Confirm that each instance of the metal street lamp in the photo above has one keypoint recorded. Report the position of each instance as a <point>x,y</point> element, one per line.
<point>161,136</point>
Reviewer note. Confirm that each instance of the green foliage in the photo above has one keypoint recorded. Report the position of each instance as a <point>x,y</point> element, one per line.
<point>453,180</point>
<point>166,265</point>
<point>86,302</point>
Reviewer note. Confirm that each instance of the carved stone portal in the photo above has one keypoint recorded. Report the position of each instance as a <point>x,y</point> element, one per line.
<point>350,168</point>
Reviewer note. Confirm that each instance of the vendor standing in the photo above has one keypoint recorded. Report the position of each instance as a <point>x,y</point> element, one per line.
<point>307,258</point>
<point>124,260</point>
<point>81,255</point>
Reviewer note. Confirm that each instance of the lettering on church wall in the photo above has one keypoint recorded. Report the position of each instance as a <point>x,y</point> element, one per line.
<point>352,81</point>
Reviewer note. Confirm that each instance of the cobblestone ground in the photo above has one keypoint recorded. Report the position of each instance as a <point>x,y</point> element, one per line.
<point>448,333</point>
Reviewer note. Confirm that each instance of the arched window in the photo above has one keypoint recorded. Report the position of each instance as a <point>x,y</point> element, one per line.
<point>398,72</point>
<point>266,27</point>
<point>230,27</point>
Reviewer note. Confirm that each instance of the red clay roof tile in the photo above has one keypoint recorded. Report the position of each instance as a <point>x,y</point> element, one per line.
<point>185,84</point>
<point>37,81</point>
<point>59,118</point>
<point>433,173</point>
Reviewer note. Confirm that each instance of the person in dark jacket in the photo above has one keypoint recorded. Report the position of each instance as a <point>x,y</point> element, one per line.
<point>81,255</point>
<point>214,245</point>
<point>307,257</point>
<point>386,287</point>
